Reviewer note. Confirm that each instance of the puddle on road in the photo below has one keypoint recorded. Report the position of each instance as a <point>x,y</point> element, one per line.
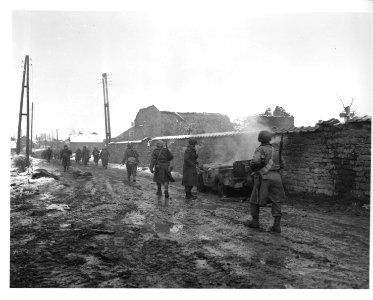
<point>203,264</point>
<point>167,227</point>
<point>134,218</point>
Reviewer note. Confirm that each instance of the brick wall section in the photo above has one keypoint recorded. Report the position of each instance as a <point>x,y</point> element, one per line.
<point>331,160</point>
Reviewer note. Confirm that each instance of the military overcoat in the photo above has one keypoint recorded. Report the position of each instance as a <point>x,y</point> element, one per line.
<point>160,162</point>
<point>190,175</point>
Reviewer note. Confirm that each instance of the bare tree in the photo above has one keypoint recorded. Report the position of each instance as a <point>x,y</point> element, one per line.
<point>347,113</point>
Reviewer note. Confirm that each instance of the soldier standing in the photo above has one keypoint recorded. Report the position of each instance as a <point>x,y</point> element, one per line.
<point>85,155</point>
<point>96,155</point>
<point>65,156</point>
<point>104,155</point>
<point>267,181</point>
<point>190,176</point>
<point>131,159</point>
<point>159,165</point>
<point>78,155</point>
<point>48,153</point>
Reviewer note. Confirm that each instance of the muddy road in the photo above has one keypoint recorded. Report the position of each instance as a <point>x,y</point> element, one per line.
<point>103,231</point>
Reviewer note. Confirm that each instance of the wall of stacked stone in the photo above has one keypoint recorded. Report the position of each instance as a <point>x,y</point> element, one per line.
<point>333,160</point>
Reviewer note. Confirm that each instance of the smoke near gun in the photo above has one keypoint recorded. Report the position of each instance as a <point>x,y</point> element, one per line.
<point>242,146</point>
<point>234,148</point>
<point>276,139</point>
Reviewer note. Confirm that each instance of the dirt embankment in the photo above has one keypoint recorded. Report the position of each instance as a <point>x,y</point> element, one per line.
<point>102,231</point>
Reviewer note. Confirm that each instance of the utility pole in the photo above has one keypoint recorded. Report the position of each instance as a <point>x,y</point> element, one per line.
<point>106,110</point>
<point>25,77</point>
<point>32,123</point>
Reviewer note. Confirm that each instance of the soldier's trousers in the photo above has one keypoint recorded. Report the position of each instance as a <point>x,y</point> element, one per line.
<point>131,170</point>
<point>188,189</point>
<point>269,190</point>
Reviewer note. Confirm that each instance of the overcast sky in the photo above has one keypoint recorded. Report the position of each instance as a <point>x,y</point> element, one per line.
<point>236,64</point>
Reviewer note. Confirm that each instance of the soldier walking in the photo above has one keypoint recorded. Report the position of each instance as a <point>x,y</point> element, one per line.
<point>159,165</point>
<point>96,155</point>
<point>65,156</point>
<point>78,155</point>
<point>268,186</point>
<point>104,155</point>
<point>131,159</point>
<point>190,176</point>
<point>48,154</point>
<point>85,155</point>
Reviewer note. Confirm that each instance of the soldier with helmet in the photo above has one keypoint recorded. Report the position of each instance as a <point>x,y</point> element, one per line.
<point>268,186</point>
<point>190,176</point>
<point>78,155</point>
<point>85,155</point>
<point>104,156</point>
<point>131,159</point>
<point>96,155</point>
<point>48,153</point>
<point>65,156</point>
<point>159,165</point>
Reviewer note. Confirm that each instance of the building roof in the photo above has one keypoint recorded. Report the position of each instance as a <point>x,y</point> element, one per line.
<point>331,122</point>
<point>85,138</point>
<point>131,142</point>
<point>203,135</point>
<point>173,113</point>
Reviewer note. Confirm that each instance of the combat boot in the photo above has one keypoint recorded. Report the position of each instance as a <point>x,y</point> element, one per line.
<point>276,227</point>
<point>254,210</point>
<point>166,195</point>
<point>189,196</point>
<point>159,190</point>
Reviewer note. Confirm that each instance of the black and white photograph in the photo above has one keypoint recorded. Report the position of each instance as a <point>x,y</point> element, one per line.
<point>198,146</point>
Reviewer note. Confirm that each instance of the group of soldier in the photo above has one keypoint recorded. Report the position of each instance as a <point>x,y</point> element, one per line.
<point>80,155</point>
<point>84,155</point>
<point>265,165</point>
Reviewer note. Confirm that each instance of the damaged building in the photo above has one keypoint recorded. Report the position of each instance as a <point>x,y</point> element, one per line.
<point>151,122</point>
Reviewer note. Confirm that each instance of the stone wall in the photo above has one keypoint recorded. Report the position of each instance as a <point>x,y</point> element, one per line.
<point>333,160</point>
<point>327,160</point>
